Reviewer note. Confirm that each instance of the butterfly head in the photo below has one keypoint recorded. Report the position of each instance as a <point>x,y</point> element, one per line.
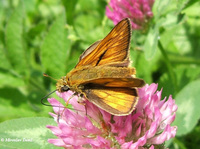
<point>61,85</point>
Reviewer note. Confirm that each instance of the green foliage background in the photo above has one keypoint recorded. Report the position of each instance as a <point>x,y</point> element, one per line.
<point>47,36</point>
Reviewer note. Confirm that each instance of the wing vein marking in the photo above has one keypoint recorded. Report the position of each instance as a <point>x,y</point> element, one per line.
<point>101,56</point>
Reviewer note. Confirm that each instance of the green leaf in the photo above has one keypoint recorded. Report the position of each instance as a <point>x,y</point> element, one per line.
<point>55,49</point>
<point>7,79</point>
<point>14,40</point>
<point>188,103</point>
<point>160,7</point>
<point>4,63</point>
<point>181,4</point>
<point>166,37</point>
<point>36,30</point>
<point>29,5</point>
<point>93,29</point>
<point>1,16</point>
<point>150,45</point>
<point>69,9</point>
<point>172,20</point>
<point>144,67</point>
<point>26,133</point>
<point>192,13</point>
<point>183,74</point>
<point>181,41</point>
<point>14,103</point>
<point>191,3</point>
<point>168,6</point>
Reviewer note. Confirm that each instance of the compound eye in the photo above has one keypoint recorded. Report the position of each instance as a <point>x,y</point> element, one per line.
<point>64,88</point>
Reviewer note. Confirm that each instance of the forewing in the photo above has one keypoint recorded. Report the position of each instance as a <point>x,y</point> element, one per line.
<point>89,50</point>
<point>114,48</point>
<point>116,101</point>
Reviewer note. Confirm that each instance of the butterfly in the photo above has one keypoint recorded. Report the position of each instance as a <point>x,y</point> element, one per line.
<point>103,74</point>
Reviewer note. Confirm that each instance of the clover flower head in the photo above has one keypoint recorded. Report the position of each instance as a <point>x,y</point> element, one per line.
<point>139,12</point>
<point>88,126</point>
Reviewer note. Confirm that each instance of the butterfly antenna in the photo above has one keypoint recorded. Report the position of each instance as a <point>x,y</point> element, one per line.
<point>46,75</point>
<point>42,100</point>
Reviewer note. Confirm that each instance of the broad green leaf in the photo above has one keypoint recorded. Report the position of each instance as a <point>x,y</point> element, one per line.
<point>55,49</point>
<point>184,75</point>
<point>193,10</point>
<point>29,5</point>
<point>172,20</point>
<point>36,30</point>
<point>190,3</point>
<point>192,13</point>
<point>26,133</point>
<point>181,41</point>
<point>69,9</point>
<point>1,15</point>
<point>144,68</point>
<point>90,6</point>
<point>14,103</point>
<point>8,79</point>
<point>150,45</point>
<point>93,29</point>
<point>14,40</point>
<point>188,103</point>
<point>160,7</point>
<point>166,38</point>
<point>181,4</point>
<point>4,63</point>
<point>49,8</point>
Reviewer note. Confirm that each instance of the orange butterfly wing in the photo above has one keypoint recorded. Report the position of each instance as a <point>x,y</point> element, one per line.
<point>89,50</point>
<point>114,48</point>
<point>115,95</point>
<point>116,101</point>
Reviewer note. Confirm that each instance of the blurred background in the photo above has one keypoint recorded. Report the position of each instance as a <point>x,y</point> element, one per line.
<point>48,36</point>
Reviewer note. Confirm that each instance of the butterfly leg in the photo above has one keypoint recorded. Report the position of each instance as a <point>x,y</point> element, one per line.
<point>67,102</point>
<point>81,101</point>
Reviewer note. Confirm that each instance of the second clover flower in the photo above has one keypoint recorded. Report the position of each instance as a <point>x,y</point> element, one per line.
<point>139,12</point>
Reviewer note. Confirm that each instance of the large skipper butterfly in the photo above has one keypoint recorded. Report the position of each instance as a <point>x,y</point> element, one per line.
<point>103,74</point>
